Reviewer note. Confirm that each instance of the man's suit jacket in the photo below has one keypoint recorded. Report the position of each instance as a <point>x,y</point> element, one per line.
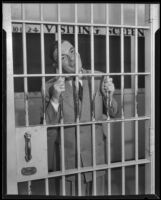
<point>69,116</point>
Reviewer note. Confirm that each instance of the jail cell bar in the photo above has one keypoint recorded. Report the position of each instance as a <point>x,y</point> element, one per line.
<point>108,148</point>
<point>24,47</point>
<point>77,106</point>
<point>42,63</point>
<point>136,104</point>
<point>94,168</point>
<point>122,101</point>
<point>43,82</point>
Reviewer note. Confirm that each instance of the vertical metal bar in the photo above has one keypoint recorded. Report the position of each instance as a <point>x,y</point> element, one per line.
<point>94,160</point>
<point>29,190</point>
<point>25,66</point>
<point>43,81</point>
<point>92,41</point>
<point>25,78</point>
<point>136,14</point>
<point>153,27</point>
<point>122,101</point>
<point>42,62</point>
<point>76,38</point>
<point>46,186</point>
<point>136,180</point>
<point>136,95</point>
<point>61,128</point>
<point>123,155</point>
<point>94,183</point>
<point>108,146</point>
<point>59,41</point>
<point>10,137</point>
<point>93,115</point>
<point>123,180</point>
<point>107,53</point>
<point>109,181</point>
<point>107,40</point>
<point>150,95</point>
<point>122,64</point>
<point>77,86</point>
<point>79,185</point>
<point>136,62</point>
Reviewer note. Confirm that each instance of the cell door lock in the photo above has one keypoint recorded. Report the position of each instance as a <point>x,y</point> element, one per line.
<point>28,155</point>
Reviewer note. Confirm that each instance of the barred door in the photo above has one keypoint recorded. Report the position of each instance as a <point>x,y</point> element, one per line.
<point>117,41</point>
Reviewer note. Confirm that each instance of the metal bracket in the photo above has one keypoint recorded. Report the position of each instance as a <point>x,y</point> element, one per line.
<point>28,155</point>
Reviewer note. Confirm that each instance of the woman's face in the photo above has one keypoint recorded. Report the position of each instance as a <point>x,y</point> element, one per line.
<point>68,57</point>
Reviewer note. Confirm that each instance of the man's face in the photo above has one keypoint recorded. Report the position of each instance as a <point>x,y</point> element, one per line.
<point>68,58</point>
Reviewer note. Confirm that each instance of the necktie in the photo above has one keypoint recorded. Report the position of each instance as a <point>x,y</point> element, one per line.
<point>77,95</point>
<point>80,91</point>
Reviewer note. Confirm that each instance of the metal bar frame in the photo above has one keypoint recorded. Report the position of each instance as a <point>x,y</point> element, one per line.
<point>98,122</point>
<point>77,88</point>
<point>108,143</point>
<point>93,115</point>
<point>25,67</point>
<point>97,168</point>
<point>78,24</point>
<point>24,45</point>
<point>136,103</point>
<point>61,121</point>
<point>124,163</point>
<point>122,101</point>
<point>43,81</point>
<point>11,168</point>
<point>151,60</point>
<point>42,62</point>
<point>78,74</point>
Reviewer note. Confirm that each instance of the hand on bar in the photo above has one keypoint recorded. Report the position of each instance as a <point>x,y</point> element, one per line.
<point>58,88</point>
<point>107,88</point>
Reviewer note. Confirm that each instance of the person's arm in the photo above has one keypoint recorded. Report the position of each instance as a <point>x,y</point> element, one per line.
<point>52,113</point>
<point>112,107</point>
<point>107,89</point>
<point>52,110</point>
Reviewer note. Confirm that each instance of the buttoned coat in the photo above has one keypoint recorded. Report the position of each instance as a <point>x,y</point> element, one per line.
<point>70,132</point>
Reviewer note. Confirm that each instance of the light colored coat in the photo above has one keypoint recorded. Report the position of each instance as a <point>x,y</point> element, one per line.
<point>69,116</point>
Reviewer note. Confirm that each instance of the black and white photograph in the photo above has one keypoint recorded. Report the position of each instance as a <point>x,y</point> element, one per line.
<point>82,99</point>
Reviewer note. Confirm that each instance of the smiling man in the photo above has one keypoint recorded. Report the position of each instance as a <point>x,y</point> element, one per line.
<point>66,88</point>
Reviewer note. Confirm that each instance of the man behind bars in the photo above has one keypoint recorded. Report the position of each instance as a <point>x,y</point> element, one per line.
<point>66,89</point>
